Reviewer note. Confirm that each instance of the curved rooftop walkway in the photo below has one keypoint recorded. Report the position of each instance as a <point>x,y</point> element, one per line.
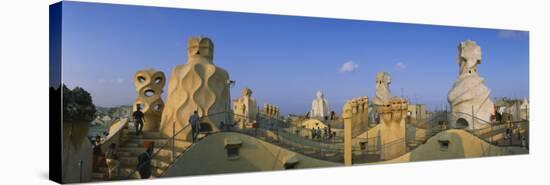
<point>331,150</point>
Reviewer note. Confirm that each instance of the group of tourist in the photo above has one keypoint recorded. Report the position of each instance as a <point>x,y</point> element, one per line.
<point>109,159</point>
<point>96,141</point>
<point>226,126</point>
<point>112,161</point>
<point>508,136</point>
<point>322,134</point>
<point>524,142</point>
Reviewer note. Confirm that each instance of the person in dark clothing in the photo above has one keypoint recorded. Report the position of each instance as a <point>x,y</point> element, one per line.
<point>97,140</point>
<point>498,116</point>
<point>144,163</point>
<point>222,126</point>
<point>138,119</point>
<point>194,121</point>
<point>99,158</point>
<point>509,135</point>
<point>329,132</point>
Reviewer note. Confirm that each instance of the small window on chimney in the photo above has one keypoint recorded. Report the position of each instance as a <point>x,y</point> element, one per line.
<point>232,146</point>
<point>291,162</point>
<point>290,166</point>
<point>444,142</point>
<point>444,145</point>
<point>232,153</point>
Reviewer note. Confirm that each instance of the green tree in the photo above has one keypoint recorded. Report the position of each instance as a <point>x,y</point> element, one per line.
<point>77,105</point>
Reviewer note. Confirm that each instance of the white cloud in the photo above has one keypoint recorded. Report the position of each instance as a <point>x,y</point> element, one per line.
<point>120,80</point>
<point>400,66</point>
<point>349,66</point>
<point>510,34</point>
<point>116,81</point>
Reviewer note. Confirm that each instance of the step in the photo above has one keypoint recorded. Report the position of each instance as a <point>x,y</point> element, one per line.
<point>160,164</point>
<point>104,176</point>
<point>125,173</point>
<point>158,161</point>
<point>166,156</point>
<point>129,148</point>
<point>182,145</point>
<point>136,151</point>
<point>155,171</point>
<point>131,137</point>
<point>130,154</point>
<point>129,161</point>
<point>133,150</point>
<point>124,154</point>
<point>99,176</point>
<point>101,170</point>
<point>141,141</point>
<point>138,144</point>
<point>131,145</point>
<point>145,133</point>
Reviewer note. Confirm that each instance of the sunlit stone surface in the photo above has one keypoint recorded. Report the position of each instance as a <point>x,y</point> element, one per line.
<point>392,128</point>
<point>149,84</point>
<point>199,86</point>
<point>245,108</point>
<point>383,94</point>
<point>319,106</point>
<point>355,114</point>
<point>469,93</point>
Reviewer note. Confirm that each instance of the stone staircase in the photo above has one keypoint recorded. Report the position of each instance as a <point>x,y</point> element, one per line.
<point>132,145</point>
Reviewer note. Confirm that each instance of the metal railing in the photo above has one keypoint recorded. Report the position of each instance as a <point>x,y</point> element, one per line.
<point>289,139</point>
<point>156,154</point>
<point>324,136</point>
<point>366,146</point>
<point>171,141</point>
<point>379,152</point>
<point>276,135</point>
<point>298,139</point>
<point>494,132</point>
<point>371,150</point>
<point>393,149</point>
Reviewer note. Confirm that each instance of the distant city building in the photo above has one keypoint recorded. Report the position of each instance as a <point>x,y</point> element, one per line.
<point>518,108</point>
<point>417,111</point>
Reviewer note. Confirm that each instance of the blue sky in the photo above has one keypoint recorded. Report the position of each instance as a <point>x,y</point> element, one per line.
<point>283,59</point>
